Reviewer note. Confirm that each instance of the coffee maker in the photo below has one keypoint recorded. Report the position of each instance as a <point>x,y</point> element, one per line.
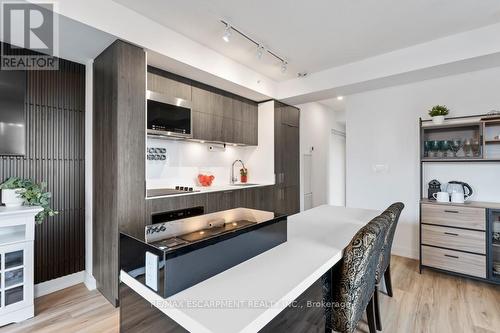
<point>434,187</point>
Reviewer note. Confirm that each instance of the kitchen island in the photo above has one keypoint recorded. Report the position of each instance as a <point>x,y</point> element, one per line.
<point>246,297</point>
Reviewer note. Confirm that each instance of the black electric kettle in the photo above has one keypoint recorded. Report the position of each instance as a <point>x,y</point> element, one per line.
<point>459,187</point>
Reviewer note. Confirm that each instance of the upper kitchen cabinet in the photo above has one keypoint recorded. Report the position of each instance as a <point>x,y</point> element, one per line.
<point>222,117</point>
<point>168,86</point>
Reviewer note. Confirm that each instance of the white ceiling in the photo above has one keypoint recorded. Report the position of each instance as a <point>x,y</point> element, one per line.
<point>79,42</point>
<point>316,35</point>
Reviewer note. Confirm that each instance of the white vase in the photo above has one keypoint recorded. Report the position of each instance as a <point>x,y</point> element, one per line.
<point>10,198</point>
<point>438,120</point>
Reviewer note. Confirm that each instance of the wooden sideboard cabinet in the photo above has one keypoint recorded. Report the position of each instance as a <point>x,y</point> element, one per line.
<point>455,238</point>
<point>17,235</point>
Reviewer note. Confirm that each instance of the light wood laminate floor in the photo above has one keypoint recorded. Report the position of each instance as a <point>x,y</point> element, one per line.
<point>431,302</point>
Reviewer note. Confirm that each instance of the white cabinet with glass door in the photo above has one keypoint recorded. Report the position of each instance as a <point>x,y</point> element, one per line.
<point>16,263</point>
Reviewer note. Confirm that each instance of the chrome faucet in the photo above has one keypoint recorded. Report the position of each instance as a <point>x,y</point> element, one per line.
<point>233,178</point>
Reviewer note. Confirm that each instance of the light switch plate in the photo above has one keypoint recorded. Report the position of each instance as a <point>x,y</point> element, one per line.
<point>380,168</point>
<point>152,271</point>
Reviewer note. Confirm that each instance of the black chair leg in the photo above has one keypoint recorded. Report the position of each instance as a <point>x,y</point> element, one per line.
<point>370,315</point>
<point>378,321</point>
<point>387,279</point>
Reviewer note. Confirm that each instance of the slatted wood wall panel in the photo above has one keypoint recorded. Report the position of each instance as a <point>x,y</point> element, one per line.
<point>55,112</point>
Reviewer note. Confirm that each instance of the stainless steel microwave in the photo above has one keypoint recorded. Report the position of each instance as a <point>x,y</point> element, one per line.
<point>167,116</point>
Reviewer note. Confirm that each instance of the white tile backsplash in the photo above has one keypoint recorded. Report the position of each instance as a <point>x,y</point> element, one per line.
<point>185,160</point>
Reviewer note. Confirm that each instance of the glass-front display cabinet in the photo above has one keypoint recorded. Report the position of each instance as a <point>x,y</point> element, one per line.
<point>494,245</point>
<point>452,142</point>
<point>474,138</point>
<point>16,263</point>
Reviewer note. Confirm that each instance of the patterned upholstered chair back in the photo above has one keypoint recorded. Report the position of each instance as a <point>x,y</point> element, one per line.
<point>392,213</point>
<point>353,281</point>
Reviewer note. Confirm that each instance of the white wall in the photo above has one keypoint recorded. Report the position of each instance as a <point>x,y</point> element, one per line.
<point>336,195</point>
<point>382,129</point>
<point>316,123</point>
<point>89,280</point>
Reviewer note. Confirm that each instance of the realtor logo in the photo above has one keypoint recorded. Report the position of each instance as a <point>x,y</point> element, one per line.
<point>29,35</point>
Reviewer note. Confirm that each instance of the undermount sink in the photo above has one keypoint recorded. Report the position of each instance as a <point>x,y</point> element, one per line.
<point>244,184</point>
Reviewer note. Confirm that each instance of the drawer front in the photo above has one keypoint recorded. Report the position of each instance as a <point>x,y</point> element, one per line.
<point>453,216</point>
<point>457,239</point>
<point>454,261</point>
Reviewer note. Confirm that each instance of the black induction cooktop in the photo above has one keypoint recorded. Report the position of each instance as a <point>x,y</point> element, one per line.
<point>214,231</point>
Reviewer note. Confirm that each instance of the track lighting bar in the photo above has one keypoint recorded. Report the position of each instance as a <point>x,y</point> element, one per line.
<point>230,27</point>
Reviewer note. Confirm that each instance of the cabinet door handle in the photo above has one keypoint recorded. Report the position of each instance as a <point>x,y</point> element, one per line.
<point>450,233</point>
<point>450,256</point>
<point>452,211</point>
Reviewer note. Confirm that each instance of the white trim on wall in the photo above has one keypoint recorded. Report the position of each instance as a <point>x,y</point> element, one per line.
<point>63,282</point>
<point>88,279</point>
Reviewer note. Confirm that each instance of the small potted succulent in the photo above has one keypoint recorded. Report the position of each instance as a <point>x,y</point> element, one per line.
<point>244,175</point>
<point>437,113</point>
<point>18,191</point>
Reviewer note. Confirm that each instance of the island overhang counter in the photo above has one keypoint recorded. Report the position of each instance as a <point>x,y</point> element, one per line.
<point>246,297</point>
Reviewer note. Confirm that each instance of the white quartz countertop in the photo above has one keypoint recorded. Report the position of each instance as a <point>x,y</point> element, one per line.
<point>248,296</point>
<point>210,189</point>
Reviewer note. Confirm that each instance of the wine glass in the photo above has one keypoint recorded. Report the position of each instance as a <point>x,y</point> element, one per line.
<point>475,147</point>
<point>444,146</point>
<point>434,147</point>
<point>427,148</point>
<point>467,147</point>
<point>455,147</point>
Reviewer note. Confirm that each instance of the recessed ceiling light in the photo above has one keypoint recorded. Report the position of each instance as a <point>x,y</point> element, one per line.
<point>202,141</point>
<point>227,34</point>
<point>339,98</point>
<point>284,66</point>
<point>260,51</point>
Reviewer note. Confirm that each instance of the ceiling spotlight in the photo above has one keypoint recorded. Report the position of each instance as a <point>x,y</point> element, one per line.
<point>260,51</point>
<point>227,33</point>
<point>284,66</point>
<point>339,98</point>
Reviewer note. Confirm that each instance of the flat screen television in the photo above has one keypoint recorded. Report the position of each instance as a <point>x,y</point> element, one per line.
<point>12,113</point>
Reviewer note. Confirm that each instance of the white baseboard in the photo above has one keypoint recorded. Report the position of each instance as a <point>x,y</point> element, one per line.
<point>90,282</point>
<point>405,252</point>
<point>54,285</point>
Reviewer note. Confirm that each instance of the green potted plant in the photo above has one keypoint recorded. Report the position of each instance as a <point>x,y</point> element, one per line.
<point>18,191</point>
<point>438,112</point>
<point>244,175</point>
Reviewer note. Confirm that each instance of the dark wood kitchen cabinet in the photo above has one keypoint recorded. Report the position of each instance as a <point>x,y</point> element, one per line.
<point>169,87</point>
<point>261,198</point>
<point>287,158</point>
<point>223,200</point>
<point>119,144</point>
<point>224,118</point>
